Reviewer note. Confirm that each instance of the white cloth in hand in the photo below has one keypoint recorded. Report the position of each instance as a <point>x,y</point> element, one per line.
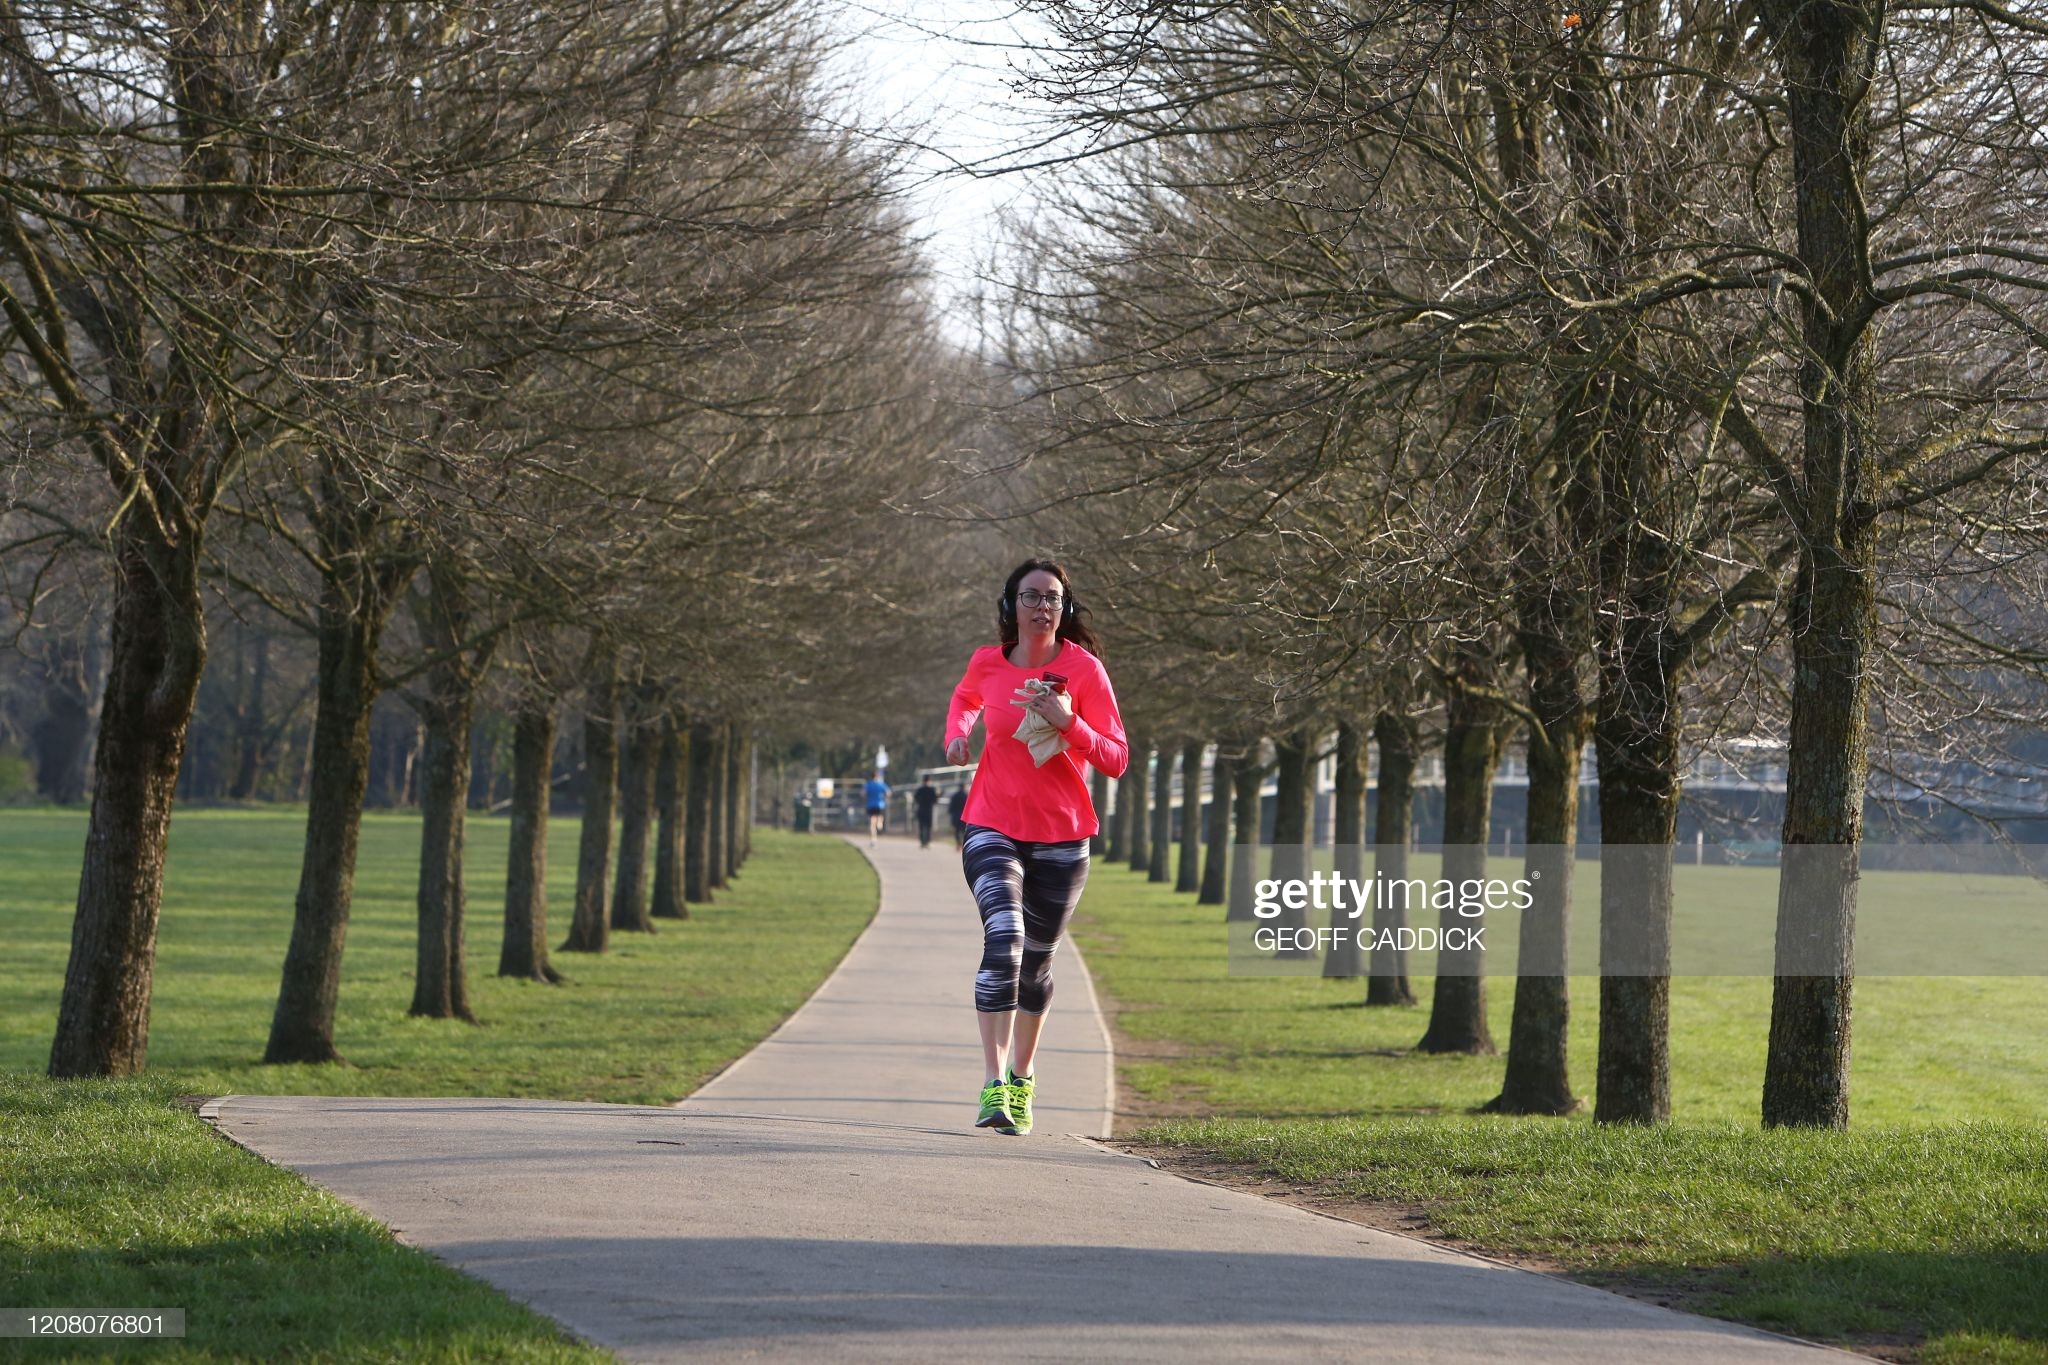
<point>1040,735</point>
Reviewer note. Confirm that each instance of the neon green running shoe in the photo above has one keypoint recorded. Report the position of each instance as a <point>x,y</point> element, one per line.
<point>995,1108</point>
<point>1020,1103</point>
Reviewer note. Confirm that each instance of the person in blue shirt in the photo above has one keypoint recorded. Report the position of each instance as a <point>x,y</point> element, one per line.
<point>878,805</point>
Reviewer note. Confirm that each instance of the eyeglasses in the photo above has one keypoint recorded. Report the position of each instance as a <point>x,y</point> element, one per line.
<point>1031,597</point>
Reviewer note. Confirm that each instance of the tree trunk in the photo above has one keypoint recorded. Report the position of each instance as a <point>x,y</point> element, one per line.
<point>249,726</point>
<point>697,815</point>
<point>1472,743</point>
<point>1829,56</point>
<point>440,983</point>
<point>590,925</point>
<point>1098,793</point>
<point>636,814</point>
<point>1636,739</point>
<point>1346,957</point>
<point>1216,861</point>
<point>714,810</point>
<point>1188,876</point>
<point>484,770</point>
<point>1246,777</point>
<point>1162,817</point>
<point>1538,1079</point>
<point>1554,509</point>
<point>749,762</point>
<point>359,589</point>
<point>1293,798</point>
<point>735,801</point>
<point>158,651</point>
<point>525,949</point>
<point>1393,828</point>
<point>669,902</point>
<point>1806,1074</point>
<point>1139,832</point>
<point>62,737</point>
<point>1119,847</point>
<point>352,618</point>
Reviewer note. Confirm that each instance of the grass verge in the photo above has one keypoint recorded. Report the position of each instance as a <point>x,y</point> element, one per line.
<point>113,1197</point>
<point>1921,1234</point>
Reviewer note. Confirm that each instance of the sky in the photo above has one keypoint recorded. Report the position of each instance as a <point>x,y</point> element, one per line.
<point>940,73</point>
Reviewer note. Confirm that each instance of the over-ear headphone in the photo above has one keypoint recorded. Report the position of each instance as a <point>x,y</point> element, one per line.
<point>1006,609</point>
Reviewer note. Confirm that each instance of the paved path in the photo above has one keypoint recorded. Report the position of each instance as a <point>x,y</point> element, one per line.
<point>756,1220</point>
<point>890,1035</point>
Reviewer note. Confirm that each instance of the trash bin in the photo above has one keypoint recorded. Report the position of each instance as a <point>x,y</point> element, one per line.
<point>802,821</point>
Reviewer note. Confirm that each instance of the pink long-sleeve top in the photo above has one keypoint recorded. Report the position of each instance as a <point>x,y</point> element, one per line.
<point>1012,794</point>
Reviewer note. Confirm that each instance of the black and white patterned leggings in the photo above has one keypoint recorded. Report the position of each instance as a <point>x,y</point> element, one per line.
<point>1026,893</point>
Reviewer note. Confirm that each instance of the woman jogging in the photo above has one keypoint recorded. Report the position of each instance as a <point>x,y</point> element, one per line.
<point>1029,816</point>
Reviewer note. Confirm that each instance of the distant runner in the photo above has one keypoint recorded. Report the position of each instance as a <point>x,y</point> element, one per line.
<point>878,805</point>
<point>924,804</point>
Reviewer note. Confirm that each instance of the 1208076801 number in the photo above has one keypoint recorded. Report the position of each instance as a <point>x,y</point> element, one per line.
<point>82,1322</point>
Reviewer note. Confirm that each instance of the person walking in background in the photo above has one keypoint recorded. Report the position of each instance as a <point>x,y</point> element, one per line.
<point>877,792</point>
<point>1027,821</point>
<point>956,803</point>
<point>924,803</point>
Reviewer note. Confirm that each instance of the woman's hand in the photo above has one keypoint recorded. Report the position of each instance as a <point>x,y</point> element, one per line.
<point>956,752</point>
<point>1051,707</point>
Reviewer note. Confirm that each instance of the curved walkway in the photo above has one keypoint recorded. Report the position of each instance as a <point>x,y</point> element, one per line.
<point>889,1037</point>
<point>824,1199</point>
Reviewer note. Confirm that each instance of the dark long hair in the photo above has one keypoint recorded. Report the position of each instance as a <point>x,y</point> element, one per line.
<point>1073,624</point>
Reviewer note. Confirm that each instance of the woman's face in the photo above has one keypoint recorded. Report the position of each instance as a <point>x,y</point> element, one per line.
<point>1039,600</point>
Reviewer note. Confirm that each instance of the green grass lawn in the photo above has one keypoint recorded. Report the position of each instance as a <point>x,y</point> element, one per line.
<point>1925,1228</point>
<point>645,1023</point>
<point>113,1196</point>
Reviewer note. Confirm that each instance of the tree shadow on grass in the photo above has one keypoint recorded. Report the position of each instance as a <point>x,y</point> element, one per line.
<point>1889,1302</point>
<point>1970,1304</point>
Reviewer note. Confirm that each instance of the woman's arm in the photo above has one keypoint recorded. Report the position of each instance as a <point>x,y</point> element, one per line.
<point>1097,733</point>
<point>967,703</point>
